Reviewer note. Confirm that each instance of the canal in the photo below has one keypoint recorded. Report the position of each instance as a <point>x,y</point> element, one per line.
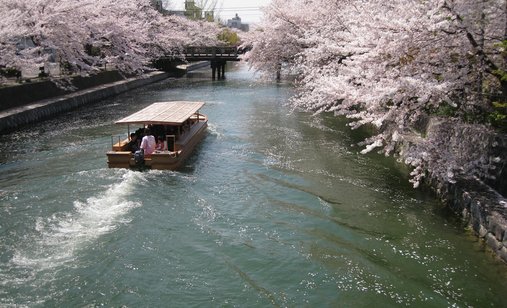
<point>275,208</point>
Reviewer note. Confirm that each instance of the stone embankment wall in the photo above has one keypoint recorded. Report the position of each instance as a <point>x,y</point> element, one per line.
<point>481,204</point>
<point>29,103</point>
<point>483,208</point>
<point>29,113</point>
<point>20,95</point>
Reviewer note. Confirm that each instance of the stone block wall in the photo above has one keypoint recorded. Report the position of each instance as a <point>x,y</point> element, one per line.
<point>484,209</point>
<point>480,203</point>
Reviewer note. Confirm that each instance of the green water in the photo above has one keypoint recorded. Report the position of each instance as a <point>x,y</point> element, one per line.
<point>276,208</point>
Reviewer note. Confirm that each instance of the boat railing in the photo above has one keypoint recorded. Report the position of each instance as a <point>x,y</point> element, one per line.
<point>198,117</point>
<point>119,145</point>
<point>188,134</point>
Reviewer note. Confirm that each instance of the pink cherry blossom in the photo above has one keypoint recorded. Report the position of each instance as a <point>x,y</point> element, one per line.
<point>128,34</point>
<point>421,72</point>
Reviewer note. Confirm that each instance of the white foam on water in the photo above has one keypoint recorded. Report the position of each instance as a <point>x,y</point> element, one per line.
<point>215,103</point>
<point>214,131</point>
<point>60,237</point>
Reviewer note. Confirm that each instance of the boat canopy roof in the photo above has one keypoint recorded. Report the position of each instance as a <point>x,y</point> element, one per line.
<point>165,113</point>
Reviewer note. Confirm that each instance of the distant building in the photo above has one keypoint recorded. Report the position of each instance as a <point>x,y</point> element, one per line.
<point>236,23</point>
<point>194,12</point>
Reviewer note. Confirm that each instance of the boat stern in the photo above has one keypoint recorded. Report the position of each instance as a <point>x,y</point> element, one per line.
<point>119,159</point>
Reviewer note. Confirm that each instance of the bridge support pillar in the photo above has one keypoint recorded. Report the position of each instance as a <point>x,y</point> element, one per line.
<point>223,70</point>
<point>218,69</point>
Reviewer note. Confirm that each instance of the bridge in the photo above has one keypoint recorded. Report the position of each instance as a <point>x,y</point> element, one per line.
<point>217,55</point>
<point>211,53</point>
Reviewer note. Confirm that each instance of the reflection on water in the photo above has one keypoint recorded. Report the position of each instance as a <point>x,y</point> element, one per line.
<point>275,208</point>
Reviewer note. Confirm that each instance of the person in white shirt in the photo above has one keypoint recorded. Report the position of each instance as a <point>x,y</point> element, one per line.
<point>148,143</point>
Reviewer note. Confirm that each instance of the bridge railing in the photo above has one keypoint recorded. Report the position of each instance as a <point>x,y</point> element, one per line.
<point>211,52</point>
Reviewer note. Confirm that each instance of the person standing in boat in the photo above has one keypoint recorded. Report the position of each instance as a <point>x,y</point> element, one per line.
<point>148,143</point>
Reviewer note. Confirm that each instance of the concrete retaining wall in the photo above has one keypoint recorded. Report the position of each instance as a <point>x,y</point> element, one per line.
<point>16,117</point>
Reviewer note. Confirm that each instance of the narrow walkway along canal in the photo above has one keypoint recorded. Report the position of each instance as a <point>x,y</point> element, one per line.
<point>276,208</point>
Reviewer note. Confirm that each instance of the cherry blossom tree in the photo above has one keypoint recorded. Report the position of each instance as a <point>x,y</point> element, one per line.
<point>84,35</point>
<point>395,64</point>
<point>278,40</point>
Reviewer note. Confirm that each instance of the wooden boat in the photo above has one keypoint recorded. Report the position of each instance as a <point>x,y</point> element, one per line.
<point>178,122</point>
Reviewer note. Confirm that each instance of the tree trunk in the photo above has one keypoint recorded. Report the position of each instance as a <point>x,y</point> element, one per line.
<point>504,68</point>
<point>480,77</point>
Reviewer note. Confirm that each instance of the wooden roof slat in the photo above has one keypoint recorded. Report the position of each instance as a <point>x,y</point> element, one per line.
<point>175,113</point>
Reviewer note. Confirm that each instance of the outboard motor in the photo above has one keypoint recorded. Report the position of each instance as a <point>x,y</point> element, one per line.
<point>139,157</point>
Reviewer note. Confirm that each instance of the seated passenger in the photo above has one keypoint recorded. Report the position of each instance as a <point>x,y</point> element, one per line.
<point>161,144</point>
<point>133,144</point>
<point>148,143</point>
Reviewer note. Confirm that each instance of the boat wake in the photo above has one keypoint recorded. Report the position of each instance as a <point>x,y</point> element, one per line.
<point>58,239</point>
<point>214,130</point>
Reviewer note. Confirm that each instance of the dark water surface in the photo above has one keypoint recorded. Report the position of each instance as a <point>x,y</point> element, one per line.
<point>276,208</point>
